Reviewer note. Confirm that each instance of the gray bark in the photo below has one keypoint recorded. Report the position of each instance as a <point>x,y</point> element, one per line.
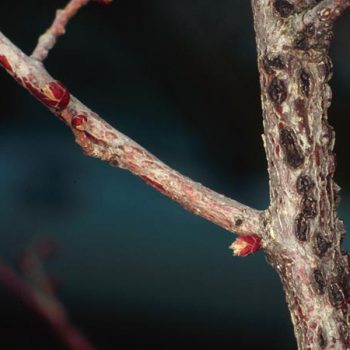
<point>301,232</point>
<point>304,232</point>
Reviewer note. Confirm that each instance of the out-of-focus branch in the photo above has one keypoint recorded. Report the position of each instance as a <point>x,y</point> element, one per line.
<point>48,40</point>
<point>46,305</point>
<point>99,139</point>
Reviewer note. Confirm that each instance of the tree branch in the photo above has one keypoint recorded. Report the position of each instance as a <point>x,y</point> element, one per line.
<point>306,232</point>
<point>325,13</point>
<point>101,140</point>
<point>48,40</point>
<point>46,305</point>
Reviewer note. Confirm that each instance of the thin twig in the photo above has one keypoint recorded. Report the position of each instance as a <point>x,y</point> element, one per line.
<point>101,140</point>
<point>45,305</point>
<point>48,40</point>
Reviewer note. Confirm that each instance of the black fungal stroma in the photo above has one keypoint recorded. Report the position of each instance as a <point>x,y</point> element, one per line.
<point>270,64</point>
<point>321,245</point>
<point>283,7</point>
<point>304,83</point>
<point>336,295</point>
<point>309,207</point>
<point>292,152</point>
<point>277,91</point>
<point>301,228</point>
<point>320,283</point>
<point>322,340</point>
<point>304,184</point>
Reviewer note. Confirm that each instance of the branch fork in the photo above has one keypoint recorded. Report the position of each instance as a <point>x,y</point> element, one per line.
<point>300,232</point>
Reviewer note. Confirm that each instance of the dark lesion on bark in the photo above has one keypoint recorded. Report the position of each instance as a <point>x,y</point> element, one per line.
<point>238,222</point>
<point>318,281</point>
<point>304,82</point>
<point>304,184</point>
<point>336,294</point>
<point>292,151</point>
<point>277,91</point>
<point>315,36</point>
<point>295,69</point>
<point>283,8</point>
<point>321,337</point>
<point>301,41</point>
<point>309,206</point>
<point>273,63</point>
<point>321,245</point>
<point>301,228</point>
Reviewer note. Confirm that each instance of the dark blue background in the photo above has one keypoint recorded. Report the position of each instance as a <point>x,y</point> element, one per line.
<point>135,269</point>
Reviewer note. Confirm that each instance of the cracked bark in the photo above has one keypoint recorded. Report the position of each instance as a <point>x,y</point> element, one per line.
<point>304,230</point>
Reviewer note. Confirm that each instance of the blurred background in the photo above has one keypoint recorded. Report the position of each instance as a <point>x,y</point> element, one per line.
<point>132,268</point>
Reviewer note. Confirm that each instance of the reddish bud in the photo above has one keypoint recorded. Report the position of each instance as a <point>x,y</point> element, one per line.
<point>56,95</point>
<point>246,245</point>
<point>78,121</point>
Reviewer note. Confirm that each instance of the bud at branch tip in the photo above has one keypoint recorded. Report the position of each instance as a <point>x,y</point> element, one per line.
<point>246,245</point>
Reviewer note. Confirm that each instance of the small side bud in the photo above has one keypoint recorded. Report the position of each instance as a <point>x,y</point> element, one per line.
<point>56,95</point>
<point>78,121</point>
<point>246,245</point>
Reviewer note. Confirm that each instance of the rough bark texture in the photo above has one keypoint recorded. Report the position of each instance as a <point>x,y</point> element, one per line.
<point>301,231</point>
<point>304,230</point>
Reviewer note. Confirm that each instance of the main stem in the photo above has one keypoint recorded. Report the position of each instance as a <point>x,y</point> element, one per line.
<point>304,245</point>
